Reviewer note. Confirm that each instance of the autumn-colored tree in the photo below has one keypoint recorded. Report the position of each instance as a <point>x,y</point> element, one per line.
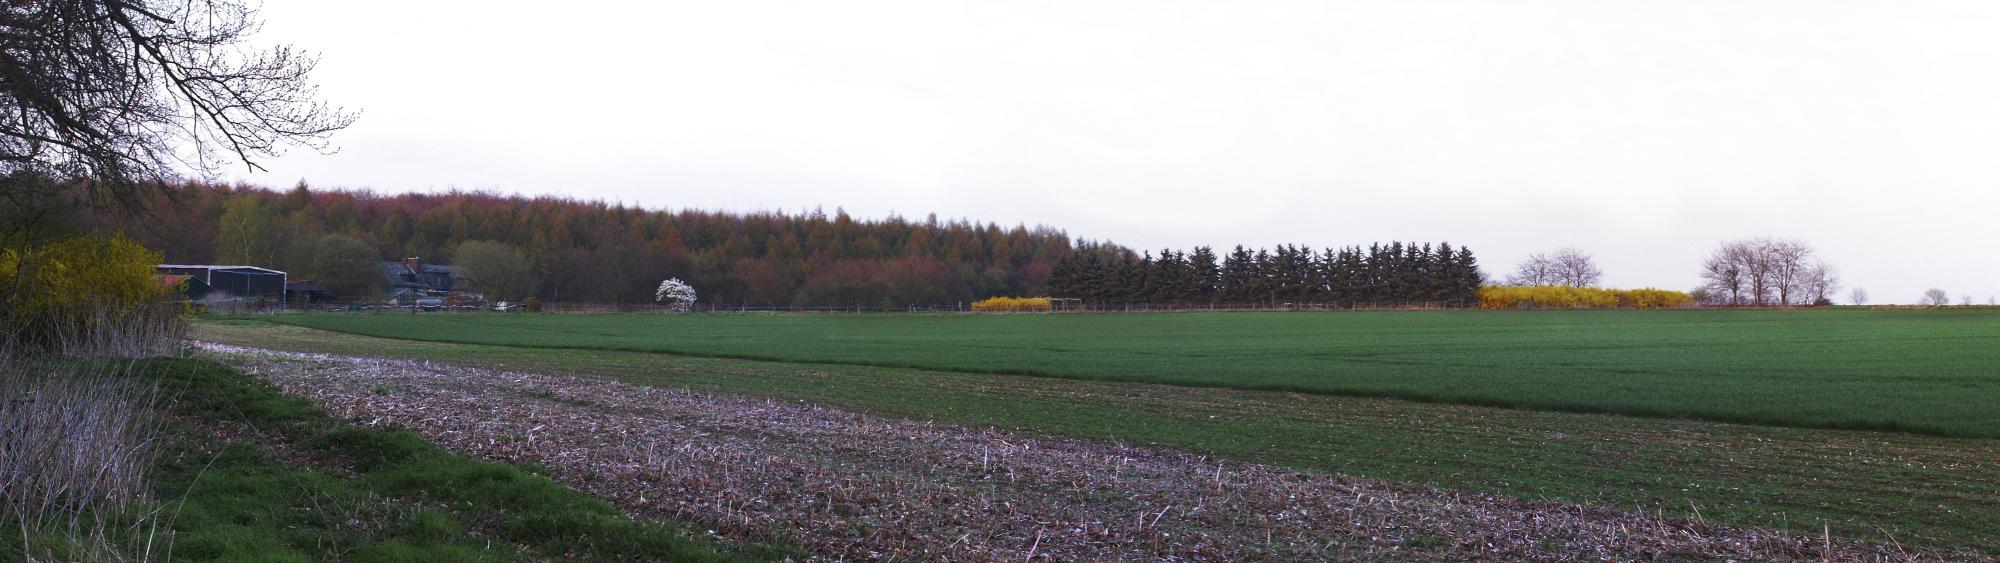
<point>599,252</point>
<point>498,270</point>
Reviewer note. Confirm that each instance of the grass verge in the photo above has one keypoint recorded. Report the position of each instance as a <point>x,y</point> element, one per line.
<point>246,473</point>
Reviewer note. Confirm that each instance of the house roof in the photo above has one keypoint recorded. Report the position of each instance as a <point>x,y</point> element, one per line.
<point>400,274</point>
<point>264,271</point>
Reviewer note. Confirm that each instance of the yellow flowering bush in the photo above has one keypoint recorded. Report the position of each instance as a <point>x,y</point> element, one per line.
<point>1010,304</point>
<point>1564,297</point>
<point>83,294</point>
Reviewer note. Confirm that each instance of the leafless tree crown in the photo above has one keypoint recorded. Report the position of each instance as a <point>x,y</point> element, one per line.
<point>1766,271</point>
<point>1568,266</point>
<point>1936,297</point>
<point>122,92</point>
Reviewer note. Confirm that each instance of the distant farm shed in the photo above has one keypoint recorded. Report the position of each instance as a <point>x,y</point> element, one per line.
<point>183,287</point>
<point>308,293</point>
<point>236,281</point>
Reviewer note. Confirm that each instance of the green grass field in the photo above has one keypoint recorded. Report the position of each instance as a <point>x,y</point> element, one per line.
<point>1912,488</point>
<point>1924,371</point>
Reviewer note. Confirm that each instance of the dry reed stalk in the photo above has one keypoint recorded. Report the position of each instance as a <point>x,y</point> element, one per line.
<point>76,442</point>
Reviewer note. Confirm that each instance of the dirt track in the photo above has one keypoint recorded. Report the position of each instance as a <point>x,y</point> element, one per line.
<point>861,487</point>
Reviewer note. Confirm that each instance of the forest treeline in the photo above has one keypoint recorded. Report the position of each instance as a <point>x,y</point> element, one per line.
<point>593,251</point>
<point>1397,274</point>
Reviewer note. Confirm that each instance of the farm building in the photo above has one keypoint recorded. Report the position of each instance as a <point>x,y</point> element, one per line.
<point>183,287</point>
<point>411,280</point>
<point>306,293</point>
<point>233,281</point>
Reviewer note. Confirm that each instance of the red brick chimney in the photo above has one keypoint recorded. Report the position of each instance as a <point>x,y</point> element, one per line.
<point>412,263</point>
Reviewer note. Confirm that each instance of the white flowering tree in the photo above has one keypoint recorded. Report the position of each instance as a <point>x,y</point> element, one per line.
<point>676,295</point>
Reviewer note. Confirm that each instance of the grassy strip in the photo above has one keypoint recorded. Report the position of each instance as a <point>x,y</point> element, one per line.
<point>385,494</point>
<point>1909,371</point>
<point>1932,491</point>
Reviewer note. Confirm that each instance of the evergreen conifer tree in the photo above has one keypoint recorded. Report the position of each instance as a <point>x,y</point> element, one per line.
<point>1207,275</point>
<point>1239,273</point>
<point>1469,278</point>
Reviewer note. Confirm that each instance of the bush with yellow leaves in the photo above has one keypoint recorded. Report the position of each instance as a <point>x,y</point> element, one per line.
<point>85,296</point>
<point>1564,297</point>
<point>1010,305</point>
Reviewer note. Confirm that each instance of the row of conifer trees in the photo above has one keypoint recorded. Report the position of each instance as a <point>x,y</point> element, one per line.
<point>1393,275</point>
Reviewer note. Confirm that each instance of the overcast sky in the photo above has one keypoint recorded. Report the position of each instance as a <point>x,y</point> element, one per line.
<point>1641,132</point>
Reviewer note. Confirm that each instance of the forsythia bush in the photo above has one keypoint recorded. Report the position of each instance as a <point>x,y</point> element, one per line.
<point>1010,304</point>
<point>1649,298</point>
<point>1563,297</point>
<point>81,294</point>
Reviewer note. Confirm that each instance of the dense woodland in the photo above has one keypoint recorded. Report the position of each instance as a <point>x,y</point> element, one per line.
<point>592,251</point>
<point>1394,275</point>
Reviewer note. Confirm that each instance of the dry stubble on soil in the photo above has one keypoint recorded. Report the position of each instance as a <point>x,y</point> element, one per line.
<point>856,486</point>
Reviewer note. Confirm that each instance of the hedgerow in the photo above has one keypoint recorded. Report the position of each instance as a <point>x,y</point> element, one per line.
<point>1565,297</point>
<point>1010,304</point>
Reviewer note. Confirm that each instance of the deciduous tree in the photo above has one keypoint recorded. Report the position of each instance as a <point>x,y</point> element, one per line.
<point>247,234</point>
<point>675,295</point>
<point>1936,297</point>
<point>122,94</point>
<point>347,266</point>
<point>1566,267</point>
<point>1765,271</point>
<point>499,270</point>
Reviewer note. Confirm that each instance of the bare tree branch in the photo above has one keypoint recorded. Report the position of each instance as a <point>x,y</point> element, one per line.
<point>124,94</point>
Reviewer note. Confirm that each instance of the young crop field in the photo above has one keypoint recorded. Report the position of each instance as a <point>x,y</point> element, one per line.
<point>1923,371</point>
<point>1915,489</point>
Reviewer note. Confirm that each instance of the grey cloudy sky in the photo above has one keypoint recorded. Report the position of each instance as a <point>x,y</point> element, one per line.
<point>1642,132</point>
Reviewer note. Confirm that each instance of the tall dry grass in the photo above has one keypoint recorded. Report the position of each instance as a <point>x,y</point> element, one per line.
<point>156,329</point>
<point>78,435</point>
<point>77,432</point>
<point>76,442</point>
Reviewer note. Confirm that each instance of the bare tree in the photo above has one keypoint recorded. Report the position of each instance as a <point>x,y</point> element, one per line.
<point>123,93</point>
<point>1739,270</point>
<point>1817,284</point>
<point>1788,269</point>
<point>1723,277</point>
<point>1576,269</point>
<point>1965,300</point>
<point>1765,271</point>
<point>1538,269</point>
<point>1567,266</point>
<point>1857,296</point>
<point>1756,268</point>
<point>1936,297</point>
